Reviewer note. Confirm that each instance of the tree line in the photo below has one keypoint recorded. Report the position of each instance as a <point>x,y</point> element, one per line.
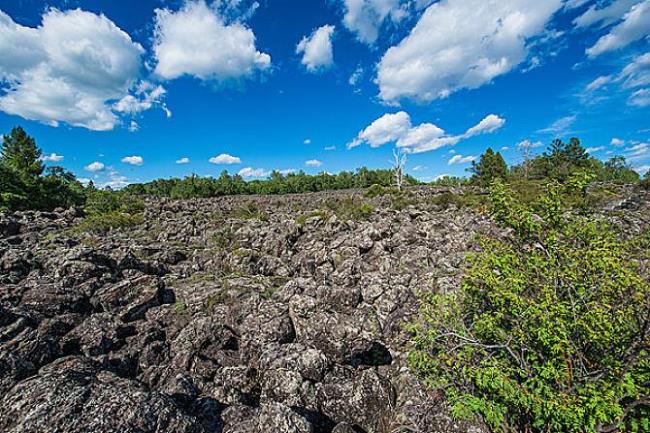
<point>25,182</point>
<point>559,162</point>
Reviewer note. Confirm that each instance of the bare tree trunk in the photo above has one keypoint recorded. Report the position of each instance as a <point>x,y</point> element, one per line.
<point>399,162</point>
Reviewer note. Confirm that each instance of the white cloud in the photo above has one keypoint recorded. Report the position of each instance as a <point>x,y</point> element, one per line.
<point>426,137</point>
<point>634,75</point>
<point>133,160</point>
<point>253,172</point>
<point>95,166</point>
<point>460,159</point>
<point>196,41</point>
<point>313,163</point>
<point>560,126</point>
<point>595,149</point>
<point>637,73</point>
<point>52,157</point>
<point>307,141</point>
<point>365,17</point>
<point>183,160</point>
<point>317,52</point>
<point>598,83</point>
<point>419,168</point>
<point>642,169</point>
<point>421,138</point>
<point>115,180</point>
<point>287,171</point>
<point>490,123</point>
<point>617,142</point>
<point>387,128</point>
<point>330,148</point>
<point>67,69</point>
<point>225,158</point>
<point>638,151</point>
<point>133,126</point>
<point>635,25</point>
<point>640,98</point>
<point>460,44</point>
<point>356,77</point>
<point>527,144</point>
<point>605,15</point>
<point>146,96</point>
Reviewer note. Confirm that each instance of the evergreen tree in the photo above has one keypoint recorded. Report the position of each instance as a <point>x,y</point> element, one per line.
<point>490,166</point>
<point>20,154</point>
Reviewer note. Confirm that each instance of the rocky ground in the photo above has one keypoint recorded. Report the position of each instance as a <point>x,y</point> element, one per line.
<point>236,314</point>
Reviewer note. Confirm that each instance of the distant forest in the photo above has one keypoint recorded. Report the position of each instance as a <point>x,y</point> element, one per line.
<point>25,183</point>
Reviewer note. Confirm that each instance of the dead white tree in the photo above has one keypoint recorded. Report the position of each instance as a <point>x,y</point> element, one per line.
<point>399,162</point>
<point>526,147</point>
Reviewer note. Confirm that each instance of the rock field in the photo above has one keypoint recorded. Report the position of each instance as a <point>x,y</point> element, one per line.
<point>234,314</point>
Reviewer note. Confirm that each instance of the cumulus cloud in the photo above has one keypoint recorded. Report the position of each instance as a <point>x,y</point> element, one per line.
<point>490,123</point>
<point>316,49</point>
<point>253,172</point>
<point>617,142</point>
<point>313,163</point>
<point>196,41</point>
<point>52,157</point>
<point>594,149</point>
<point>307,141</point>
<point>95,167</point>
<point>365,17</point>
<point>635,26</point>
<point>460,44</point>
<point>460,159</point>
<point>424,137</point>
<point>225,158</point>
<point>68,69</point>
<point>385,129</point>
<point>133,160</point>
<point>146,96</point>
<point>183,160</point>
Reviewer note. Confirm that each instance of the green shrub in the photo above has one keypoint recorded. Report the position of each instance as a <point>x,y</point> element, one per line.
<point>322,214</point>
<point>249,211</point>
<point>378,191</point>
<point>549,331</point>
<point>102,223</point>
<point>350,208</point>
<point>180,307</point>
<point>465,199</point>
<point>105,201</point>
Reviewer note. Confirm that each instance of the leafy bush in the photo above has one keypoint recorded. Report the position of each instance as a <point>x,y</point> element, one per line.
<point>249,211</point>
<point>107,210</point>
<point>102,223</point>
<point>350,208</point>
<point>105,201</point>
<point>379,190</point>
<point>465,199</point>
<point>549,331</point>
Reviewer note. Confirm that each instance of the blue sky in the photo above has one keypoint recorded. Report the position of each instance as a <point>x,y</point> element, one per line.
<point>123,92</point>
